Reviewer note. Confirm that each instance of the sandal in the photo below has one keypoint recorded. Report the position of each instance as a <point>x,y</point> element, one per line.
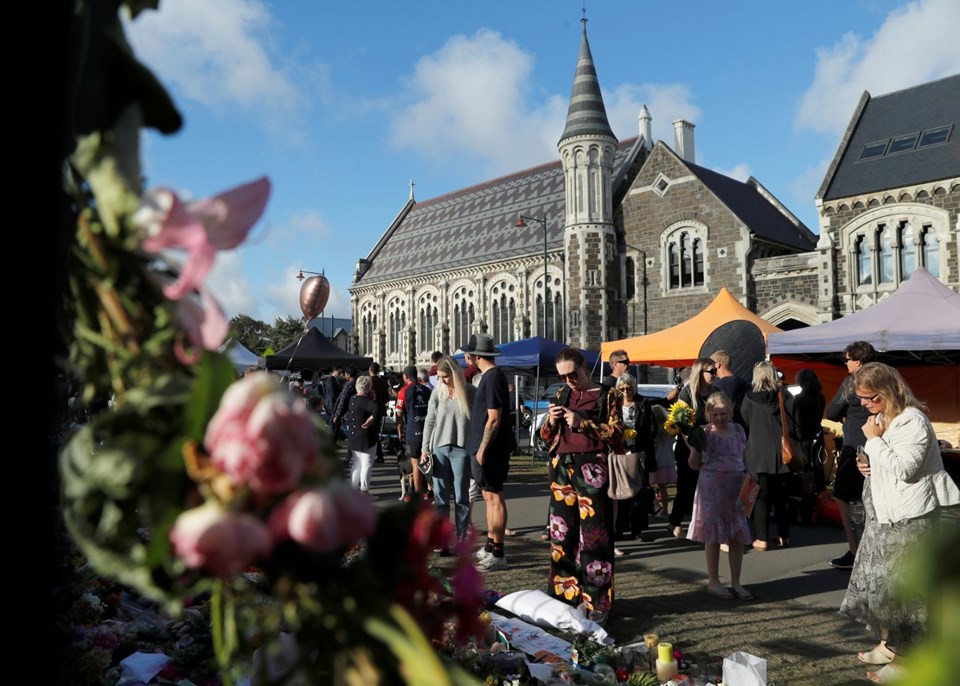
<point>721,592</point>
<point>509,533</point>
<point>886,674</point>
<point>759,545</point>
<point>877,656</point>
<point>740,593</point>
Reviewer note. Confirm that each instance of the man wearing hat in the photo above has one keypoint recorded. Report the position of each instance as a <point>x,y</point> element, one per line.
<point>489,444</point>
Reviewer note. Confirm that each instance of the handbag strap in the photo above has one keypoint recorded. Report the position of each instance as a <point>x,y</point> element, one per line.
<point>783,415</point>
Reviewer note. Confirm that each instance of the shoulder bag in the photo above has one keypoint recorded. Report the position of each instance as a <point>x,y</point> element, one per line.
<point>790,453</point>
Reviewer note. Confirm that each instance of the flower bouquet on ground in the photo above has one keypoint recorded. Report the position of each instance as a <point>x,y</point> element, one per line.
<point>683,420</point>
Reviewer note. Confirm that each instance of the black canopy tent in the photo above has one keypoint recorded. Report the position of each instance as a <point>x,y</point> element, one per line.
<point>314,351</point>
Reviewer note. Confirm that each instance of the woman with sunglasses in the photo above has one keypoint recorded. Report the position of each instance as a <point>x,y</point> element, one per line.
<point>695,394</point>
<point>905,486</point>
<point>580,425</point>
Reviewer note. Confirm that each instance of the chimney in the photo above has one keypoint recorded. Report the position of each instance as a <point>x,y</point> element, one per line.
<point>683,136</point>
<point>646,127</point>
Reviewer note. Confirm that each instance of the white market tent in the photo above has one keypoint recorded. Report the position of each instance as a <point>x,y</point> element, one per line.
<point>241,357</point>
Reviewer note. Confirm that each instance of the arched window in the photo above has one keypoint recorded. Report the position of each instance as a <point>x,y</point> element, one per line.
<point>428,316</point>
<point>463,315</point>
<point>685,258</point>
<point>368,324</point>
<point>908,250</point>
<point>864,262</point>
<point>503,310</point>
<point>885,242</point>
<point>396,323</point>
<point>930,250</point>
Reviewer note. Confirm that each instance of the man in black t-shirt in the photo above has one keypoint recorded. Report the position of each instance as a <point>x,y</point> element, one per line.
<point>411,414</point>
<point>732,385</point>
<point>490,441</point>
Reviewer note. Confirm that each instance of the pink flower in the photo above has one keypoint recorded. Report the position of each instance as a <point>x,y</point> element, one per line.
<point>201,227</point>
<point>221,542</point>
<point>324,519</point>
<point>261,435</point>
<point>205,326</point>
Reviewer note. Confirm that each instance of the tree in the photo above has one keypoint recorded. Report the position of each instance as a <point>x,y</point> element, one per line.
<point>252,333</point>
<point>285,330</point>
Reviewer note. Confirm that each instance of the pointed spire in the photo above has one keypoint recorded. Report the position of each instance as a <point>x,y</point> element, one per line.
<point>586,114</point>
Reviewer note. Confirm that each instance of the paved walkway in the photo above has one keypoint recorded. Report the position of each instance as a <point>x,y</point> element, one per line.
<point>793,623</point>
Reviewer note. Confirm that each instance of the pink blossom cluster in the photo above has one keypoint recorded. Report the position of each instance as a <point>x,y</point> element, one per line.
<point>201,228</point>
<point>264,440</point>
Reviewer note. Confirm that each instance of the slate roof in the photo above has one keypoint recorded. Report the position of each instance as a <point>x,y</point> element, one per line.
<point>586,114</point>
<point>907,111</point>
<point>477,225</point>
<point>757,212</point>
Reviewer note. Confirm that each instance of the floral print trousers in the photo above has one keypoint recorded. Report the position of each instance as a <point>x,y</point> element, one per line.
<point>581,542</point>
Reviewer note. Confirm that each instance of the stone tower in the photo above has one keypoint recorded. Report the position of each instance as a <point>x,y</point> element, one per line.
<point>587,149</point>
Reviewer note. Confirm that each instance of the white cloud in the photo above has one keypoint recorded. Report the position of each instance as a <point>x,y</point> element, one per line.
<point>915,44</point>
<point>229,287</point>
<point>217,54</point>
<point>666,103</point>
<point>740,172</point>
<point>469,98</point>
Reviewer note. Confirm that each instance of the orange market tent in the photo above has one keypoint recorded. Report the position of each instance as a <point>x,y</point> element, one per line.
<point>680,345</point>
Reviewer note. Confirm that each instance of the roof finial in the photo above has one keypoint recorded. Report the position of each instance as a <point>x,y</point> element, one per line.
<point>412,184</point>
<point>584,20</point>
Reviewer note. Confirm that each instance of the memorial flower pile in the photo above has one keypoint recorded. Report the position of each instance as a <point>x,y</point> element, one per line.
<point>195,487</point>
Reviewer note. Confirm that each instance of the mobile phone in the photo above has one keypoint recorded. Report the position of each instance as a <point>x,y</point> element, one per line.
<point>862,456</point>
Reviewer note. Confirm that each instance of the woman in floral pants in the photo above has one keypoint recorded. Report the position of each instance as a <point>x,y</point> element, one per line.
<point>579,427</point>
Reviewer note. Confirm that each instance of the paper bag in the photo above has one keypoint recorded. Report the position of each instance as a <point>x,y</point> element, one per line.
<point>744,669</point>
<point>749,490</point>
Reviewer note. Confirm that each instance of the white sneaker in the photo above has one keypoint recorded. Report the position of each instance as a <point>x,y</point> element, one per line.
<point>490,563</point>
<point>481,554</point>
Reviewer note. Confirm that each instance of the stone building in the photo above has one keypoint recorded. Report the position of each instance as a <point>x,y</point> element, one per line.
<point>889,203</point>
<point>622,238</point>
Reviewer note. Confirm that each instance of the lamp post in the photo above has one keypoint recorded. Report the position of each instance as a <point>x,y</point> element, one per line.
<point>643,253</point>
<point>301,277</point>
<point>522,223</point>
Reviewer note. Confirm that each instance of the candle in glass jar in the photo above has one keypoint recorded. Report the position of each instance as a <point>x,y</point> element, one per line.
<point>665,652</point>
<point>651,640</point>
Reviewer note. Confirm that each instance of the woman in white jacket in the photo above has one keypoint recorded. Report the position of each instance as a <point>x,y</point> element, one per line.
<point>905,487</point>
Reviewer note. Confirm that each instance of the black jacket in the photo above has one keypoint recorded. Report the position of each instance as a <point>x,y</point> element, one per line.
<point>761,419</point>
<point>846,407</point>
<point>358,438</point>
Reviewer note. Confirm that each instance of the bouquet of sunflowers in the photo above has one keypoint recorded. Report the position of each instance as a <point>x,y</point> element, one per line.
<point>683,420</point>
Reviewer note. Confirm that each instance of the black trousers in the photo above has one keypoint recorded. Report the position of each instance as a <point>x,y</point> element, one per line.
<point>687,479</point>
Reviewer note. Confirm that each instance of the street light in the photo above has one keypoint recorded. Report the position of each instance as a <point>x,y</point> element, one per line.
<point>301,276</point>
<point>644,254</point>
<point>543,222</point>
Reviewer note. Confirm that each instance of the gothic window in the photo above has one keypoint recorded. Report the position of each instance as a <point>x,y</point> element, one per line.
<point>908,250</point>
<point>864,262</point>
<point>396,323</point>
<point>368,324</point>
<point>899,247</point>
<point>685,258</point>
<point>885,236</point>
<point>503,312</point>
<point>554,326</point>
<point>631,274</point>
<point>428,316</point>
<point>463,315</point>
<point>930,250</point>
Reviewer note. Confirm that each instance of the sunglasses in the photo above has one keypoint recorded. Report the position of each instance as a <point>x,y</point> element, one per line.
<point>710,371</point>
<point>621,362</point>
<point>869,398</point>
<point>572,376</point>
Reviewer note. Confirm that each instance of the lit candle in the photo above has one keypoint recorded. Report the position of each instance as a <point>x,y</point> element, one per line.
<point>665,652</point>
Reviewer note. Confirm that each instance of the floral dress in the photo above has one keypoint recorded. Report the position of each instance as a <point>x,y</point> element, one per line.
<point>718,515</point>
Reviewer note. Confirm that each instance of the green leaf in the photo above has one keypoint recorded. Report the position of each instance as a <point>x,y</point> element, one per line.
<point>215,373</point>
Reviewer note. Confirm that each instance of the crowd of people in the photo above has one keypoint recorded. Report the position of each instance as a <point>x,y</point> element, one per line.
<point>612,459</point>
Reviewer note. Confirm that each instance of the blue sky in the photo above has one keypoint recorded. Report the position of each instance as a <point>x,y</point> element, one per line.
<point>342,104</point>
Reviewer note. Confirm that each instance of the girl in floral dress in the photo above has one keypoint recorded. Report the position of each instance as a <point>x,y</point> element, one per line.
<point>718,516</point>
